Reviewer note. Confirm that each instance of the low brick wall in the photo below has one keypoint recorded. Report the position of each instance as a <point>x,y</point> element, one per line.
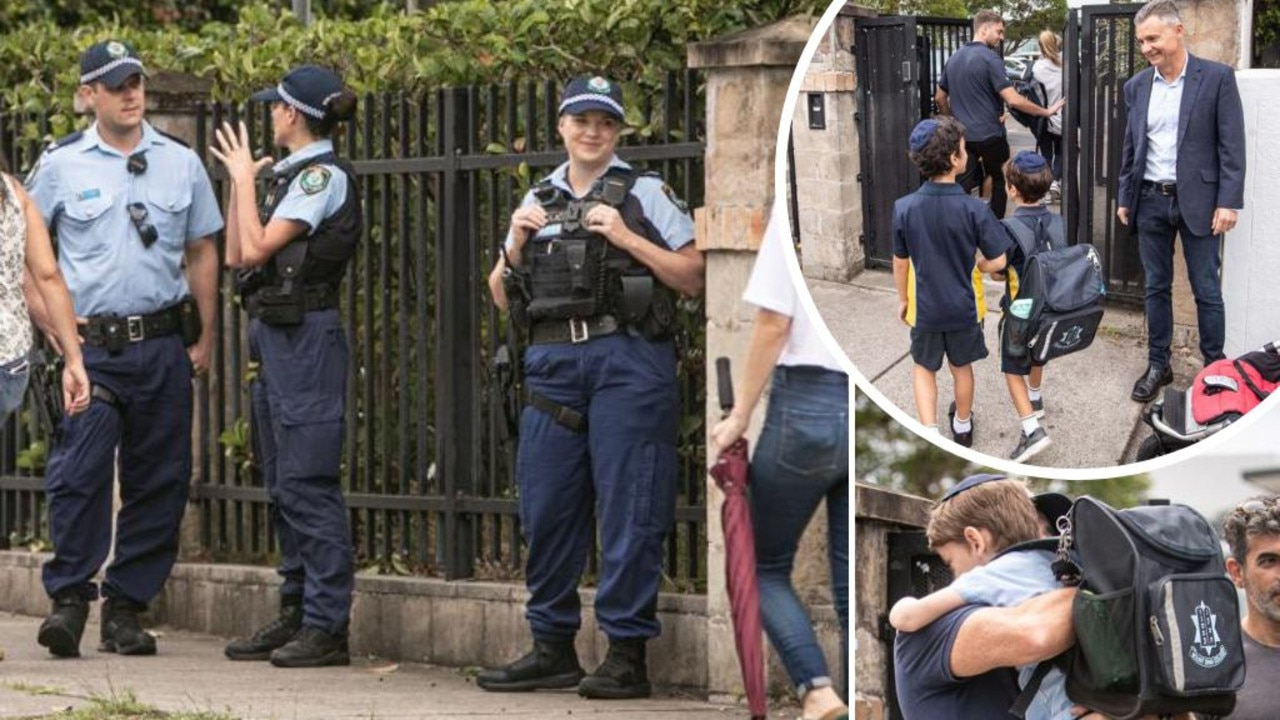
<point>457,624</point>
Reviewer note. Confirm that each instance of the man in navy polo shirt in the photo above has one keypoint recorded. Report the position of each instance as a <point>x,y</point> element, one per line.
<point>974,88</point>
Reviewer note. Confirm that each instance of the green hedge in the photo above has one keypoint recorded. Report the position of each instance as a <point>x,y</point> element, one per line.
<point>452,43</point>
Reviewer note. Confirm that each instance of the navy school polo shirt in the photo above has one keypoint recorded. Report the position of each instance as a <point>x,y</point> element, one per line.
<point>928,691</point>
<point>973,79</point>
<point>940,229</point>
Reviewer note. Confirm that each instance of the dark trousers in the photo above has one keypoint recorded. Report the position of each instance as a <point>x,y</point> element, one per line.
<point>621,471</point>
<point>1050,148</point>
<point>986,159</point>
<point>152,430</point>
<point>1156,222</point>
<point>299,401</point>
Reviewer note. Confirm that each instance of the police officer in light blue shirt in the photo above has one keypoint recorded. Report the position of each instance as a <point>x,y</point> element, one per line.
<point>133,211</point>
<point>594,259</point>
<point>296,251</point>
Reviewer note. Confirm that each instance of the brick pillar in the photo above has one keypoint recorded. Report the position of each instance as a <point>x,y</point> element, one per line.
<point>827,162</point>
<point>747,76</point>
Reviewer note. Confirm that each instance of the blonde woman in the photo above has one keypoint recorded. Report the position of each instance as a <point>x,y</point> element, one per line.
<point>1047,71</point>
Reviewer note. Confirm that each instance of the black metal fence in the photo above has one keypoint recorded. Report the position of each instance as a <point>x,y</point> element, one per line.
<point>1101,53</point>
<point>898,61</point>
<point>428,461</point>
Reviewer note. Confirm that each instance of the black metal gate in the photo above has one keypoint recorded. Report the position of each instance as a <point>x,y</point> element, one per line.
<point>1101,53</point>
<point>898,63</point>
<point>913,571</point>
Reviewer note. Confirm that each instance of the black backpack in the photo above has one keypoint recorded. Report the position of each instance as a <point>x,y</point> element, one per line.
<point>1157,622</point>
<point>1034,91</point>
<point>1059,304</point>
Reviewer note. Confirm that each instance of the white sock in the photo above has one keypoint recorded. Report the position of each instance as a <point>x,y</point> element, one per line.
<point>1030,424</point>
<point>1034,392</point>
<point>962,426</point>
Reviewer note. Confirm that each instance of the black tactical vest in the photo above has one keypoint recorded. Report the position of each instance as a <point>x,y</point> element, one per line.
<point>577,274</point>
<point>319,258</point>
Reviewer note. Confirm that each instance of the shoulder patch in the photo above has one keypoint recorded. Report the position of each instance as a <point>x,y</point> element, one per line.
<point>65,140</point>
<point>314,179</point>
<point>675,199</point>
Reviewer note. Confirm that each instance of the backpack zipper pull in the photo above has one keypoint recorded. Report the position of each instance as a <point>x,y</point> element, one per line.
<point>1155,630</point>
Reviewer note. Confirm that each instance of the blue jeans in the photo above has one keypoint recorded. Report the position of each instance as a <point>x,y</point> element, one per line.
<point>13,385</point>
<point>1158,219</point>
<point>802,458</point>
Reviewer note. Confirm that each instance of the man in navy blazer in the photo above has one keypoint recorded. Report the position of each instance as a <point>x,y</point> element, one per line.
<point>1182,172</point>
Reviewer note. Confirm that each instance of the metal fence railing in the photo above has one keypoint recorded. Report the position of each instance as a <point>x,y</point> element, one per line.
<point>428,461</point>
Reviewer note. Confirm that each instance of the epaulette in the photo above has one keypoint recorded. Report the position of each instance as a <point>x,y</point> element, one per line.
<point>174,138</point>
<point>65,140</point>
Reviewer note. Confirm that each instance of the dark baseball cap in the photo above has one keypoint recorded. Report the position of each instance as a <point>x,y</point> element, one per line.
<point>307,88</point>
<point>110,62</point>
<point>1052,506</point>
<point>592,93</point>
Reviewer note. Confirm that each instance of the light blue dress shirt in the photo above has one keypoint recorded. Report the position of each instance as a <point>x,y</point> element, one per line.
<point>1162,126</point>
<point>316,193</point>
<point>671,220</point>
<point>83,190</point>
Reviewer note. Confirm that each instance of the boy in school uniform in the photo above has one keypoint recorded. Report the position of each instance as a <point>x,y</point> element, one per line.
<point>943,240</point>
<point>1027,178</point>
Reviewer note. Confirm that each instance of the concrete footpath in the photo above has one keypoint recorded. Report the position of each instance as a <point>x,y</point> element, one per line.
<point>1088,413</point>
<point>191,675</point>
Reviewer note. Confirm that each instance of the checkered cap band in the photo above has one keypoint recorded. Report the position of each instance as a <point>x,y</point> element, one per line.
<point>592,97</point>
<point>301,106</point>
<point>91,76</point>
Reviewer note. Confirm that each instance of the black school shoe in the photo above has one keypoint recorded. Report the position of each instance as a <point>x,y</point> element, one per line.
<point>121,631</point>
<point>312,647</point>
<point>622,676</point>
<point>62,630</point>
<point>550,665</point>
<point>962,438</point>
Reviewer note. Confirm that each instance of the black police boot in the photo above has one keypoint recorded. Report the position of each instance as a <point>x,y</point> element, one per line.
<point>121,631</point>
<point>270,636</point>
<point>312,647</point>
<point>550,665</point>
<point>62,630</point>
<point>621,676</point>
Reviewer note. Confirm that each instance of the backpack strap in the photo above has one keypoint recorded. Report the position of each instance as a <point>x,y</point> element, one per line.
<point>1257,391</point>
<point>1023,234</point>
<point>1020,706</point>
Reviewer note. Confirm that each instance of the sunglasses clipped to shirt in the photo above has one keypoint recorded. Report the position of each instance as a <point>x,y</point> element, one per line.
<point>137,165</point>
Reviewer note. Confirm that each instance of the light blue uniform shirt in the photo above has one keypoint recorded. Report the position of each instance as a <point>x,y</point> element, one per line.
<point>1162,126</point>
<point>317,192</point>
<point>85,188</point>
<point>672,220</point>
<point>1006,581</point>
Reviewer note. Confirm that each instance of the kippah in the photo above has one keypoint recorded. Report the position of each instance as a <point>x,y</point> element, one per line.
<point>922,133</point>
<point>1029,162</point>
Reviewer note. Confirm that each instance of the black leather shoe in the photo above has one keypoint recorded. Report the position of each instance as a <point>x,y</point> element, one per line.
<point>622,676</point>
<point>550,665</point>
<point>1150,383</point>
<point>312,647</point>
<point>964,439</point>
<point>121,631</point>
<point>62,630</point>
<point>273,635</point>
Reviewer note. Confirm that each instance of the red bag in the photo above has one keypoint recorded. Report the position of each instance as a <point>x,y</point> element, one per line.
<point>1232,387</point>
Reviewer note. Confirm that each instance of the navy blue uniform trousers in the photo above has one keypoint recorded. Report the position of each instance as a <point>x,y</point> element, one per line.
<point>299,401</point>
<point>622,471</point>
<point>152,429</point>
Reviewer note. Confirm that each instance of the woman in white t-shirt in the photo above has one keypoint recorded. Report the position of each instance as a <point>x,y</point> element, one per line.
<point>801,459</point>
<point>1047,71</point>
<point>29,273</point>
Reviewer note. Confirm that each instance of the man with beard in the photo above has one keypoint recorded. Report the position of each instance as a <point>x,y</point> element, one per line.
<point>1252,531</point>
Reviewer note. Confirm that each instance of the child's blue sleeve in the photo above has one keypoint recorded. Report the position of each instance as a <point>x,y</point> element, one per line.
<point>900,249</point>
<point>1001,582</point>
<point>993,238</point>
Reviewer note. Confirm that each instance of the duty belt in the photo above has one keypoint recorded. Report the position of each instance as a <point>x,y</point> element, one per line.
<point>545,332</point>
<point>119,330</point>
<point>314,297</point>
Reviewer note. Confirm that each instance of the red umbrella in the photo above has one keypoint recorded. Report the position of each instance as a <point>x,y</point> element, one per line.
<point>731,473</point>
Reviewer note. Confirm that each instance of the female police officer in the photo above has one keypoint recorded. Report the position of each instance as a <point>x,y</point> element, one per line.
<point>591,263</point>
<point>298,249</point>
